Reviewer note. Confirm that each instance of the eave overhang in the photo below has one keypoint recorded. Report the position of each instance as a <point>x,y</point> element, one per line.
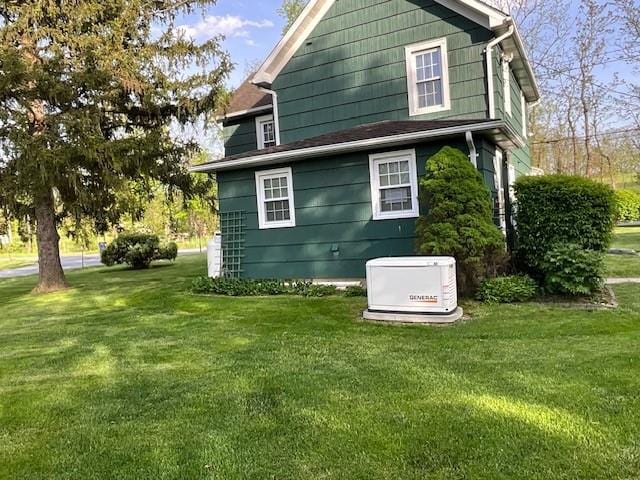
<point>496,130</point>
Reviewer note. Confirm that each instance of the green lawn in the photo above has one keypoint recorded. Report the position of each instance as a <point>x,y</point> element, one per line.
<point>627,237</point>
<point>7,263</point>
<point>127,376</point>
<point>623,266</point>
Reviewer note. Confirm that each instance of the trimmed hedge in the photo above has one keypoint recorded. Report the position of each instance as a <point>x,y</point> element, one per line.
<point>627,205</point>
<point>138,251</point>
<point>561,209</point>
<point>246,287</point>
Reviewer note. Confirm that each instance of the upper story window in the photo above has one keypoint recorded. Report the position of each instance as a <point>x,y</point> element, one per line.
<point>428,77</point>
<point>274,190</point>
<point>266,131</point>
<point>394,185</point>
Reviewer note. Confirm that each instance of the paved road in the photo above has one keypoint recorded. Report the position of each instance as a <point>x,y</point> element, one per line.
<point>70,262</point>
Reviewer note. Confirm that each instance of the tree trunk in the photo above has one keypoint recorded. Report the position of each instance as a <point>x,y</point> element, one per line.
<point>51,274</point>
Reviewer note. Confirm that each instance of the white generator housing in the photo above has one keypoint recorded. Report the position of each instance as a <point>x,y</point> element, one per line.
<point>418,285</point>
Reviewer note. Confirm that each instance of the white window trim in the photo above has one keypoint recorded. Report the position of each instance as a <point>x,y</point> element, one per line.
<point>376,158</point>
<point>262,218</point>
<point>506,84</point>
<point>260,133</point>
<point>412,89</point>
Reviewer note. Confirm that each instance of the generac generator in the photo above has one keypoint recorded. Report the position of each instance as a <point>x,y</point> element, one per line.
<point>413,285</point>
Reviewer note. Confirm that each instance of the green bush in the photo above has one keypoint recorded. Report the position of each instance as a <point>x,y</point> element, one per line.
<point>137,250</point>
<point>571,270</point>
<point>246,287</point>
<point>355,291</point>
<point>509,289</point>
<point>627,205</point>
<point>239,287</point>
<point>560,209</point>
<point>459,219</point>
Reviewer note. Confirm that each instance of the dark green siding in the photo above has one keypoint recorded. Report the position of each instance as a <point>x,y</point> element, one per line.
<point>351,70</point>
<point>519,157</point>
<point>333,210</point>
<point>240,136</point>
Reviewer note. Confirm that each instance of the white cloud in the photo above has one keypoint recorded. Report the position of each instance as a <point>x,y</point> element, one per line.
<point>250,43</point>
<point>227,25</point>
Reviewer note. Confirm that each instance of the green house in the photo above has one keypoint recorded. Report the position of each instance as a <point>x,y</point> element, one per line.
<point>326,141</point>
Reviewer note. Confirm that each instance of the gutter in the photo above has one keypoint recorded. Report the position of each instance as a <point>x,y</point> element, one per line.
<point>276,119</point>
<point>309,152</point>
<point>473,153</point>
<point>489,59</point>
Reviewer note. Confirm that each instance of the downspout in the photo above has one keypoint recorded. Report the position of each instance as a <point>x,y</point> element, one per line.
<point>489,59</point>
<point>473,154</point>
<point>276,118</point>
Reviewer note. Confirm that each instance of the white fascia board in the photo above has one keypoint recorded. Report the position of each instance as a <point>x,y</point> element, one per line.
<point>478,12</point>
<point>345,147</point>
<point>306,22</point>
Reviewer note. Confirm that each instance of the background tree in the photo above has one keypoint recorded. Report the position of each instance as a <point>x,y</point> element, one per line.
<point>289,10</point>
<point>89,95</point>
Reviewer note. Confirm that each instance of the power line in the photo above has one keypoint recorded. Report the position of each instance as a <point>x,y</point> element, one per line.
<point>583,137</point>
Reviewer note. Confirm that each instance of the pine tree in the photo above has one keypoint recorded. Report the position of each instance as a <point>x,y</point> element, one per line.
<point>90,91</point>
<point>459,218</point>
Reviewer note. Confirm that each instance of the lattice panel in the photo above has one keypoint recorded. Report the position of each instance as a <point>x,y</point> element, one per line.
<point>233,237</point>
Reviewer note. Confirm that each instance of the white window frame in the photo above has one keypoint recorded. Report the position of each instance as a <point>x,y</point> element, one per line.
<point>263,223</point>
<point>260,121</point>
<point>412,82</point>
<point>523,106</point>
<point>506,84</point>
<point>377,158</point>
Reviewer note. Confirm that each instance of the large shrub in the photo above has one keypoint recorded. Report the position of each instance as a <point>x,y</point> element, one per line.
<point>510,289</point>
<point>569,269</point>
<point>138,251</point>
<point>560,209</point>
<point>627,205</point>
<point>459,219</point>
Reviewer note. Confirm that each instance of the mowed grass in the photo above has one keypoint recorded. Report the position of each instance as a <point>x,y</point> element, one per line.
<point>128,376</point>
<point>624,266</point>
<point>627,237</point>
<point>11,262</point>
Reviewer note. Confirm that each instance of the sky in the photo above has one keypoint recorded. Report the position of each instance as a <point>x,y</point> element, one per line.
<point>252,28</point>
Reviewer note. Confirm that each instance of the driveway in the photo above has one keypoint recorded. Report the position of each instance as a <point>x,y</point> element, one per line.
<point>71,262</point>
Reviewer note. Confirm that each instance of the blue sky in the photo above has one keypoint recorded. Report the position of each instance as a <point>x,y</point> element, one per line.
<point>252,28</point>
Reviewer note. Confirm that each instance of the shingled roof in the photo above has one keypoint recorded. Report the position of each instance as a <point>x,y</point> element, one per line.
<point>387,132</point>
<point>246,97</point>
